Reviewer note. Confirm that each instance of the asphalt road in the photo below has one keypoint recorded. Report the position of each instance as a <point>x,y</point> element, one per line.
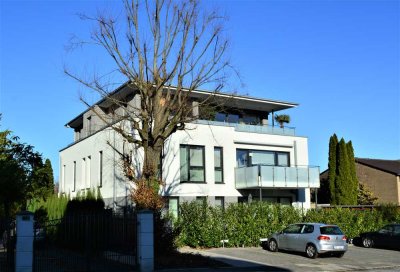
<point>355,259</point>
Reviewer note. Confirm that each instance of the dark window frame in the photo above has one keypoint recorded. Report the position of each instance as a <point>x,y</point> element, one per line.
<point>221,168</point>
<point>201,199</point>
<point>276,153</point>
<point>189,167</point>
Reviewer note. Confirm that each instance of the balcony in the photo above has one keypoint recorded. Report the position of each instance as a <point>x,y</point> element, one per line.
<point>287,131</point>
<point>265,176</point>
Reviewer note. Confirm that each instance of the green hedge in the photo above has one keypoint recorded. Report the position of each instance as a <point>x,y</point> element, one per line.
<point>52,208</point>
<point>244,224</point>
<point>55,207</point>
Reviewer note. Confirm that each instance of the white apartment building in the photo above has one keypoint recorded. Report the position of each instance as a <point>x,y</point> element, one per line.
<point>236,155</point>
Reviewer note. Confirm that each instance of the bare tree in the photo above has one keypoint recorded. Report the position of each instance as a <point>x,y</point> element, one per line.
<point>165,51</point>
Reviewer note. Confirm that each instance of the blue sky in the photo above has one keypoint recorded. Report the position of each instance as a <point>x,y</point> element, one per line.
<point>340,60</point>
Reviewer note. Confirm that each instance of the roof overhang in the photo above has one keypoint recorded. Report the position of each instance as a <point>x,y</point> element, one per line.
<point>229,100</point>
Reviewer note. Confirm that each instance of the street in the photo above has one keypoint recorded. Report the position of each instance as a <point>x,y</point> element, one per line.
<point>355,259</point>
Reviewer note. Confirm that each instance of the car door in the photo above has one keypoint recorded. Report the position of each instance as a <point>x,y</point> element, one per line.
<point>289,236</point>
<point>384,236</point>
<point>304,237</point>
<point>396,237</point>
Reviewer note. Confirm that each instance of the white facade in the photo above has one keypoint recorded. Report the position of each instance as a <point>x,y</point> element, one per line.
<point>91,163</point>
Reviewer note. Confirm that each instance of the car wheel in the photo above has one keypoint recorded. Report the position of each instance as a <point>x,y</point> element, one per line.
<point>367,242</point>
<point>273,245</point>
<point>311,251</point>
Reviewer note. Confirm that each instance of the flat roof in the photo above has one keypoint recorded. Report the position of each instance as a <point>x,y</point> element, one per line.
<point>232,100</point>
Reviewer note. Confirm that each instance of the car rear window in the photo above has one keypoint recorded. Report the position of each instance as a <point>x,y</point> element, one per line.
<point>330,230</point>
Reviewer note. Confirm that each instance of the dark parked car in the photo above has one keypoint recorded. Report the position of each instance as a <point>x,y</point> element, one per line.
<point>387,237</point>
<point>311,238</point>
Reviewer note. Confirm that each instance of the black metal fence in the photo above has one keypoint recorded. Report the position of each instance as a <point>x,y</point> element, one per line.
<point>86,242</point>
<point>7,244</point>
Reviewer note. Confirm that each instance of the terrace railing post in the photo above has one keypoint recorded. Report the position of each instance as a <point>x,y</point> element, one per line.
<point>24,246</point>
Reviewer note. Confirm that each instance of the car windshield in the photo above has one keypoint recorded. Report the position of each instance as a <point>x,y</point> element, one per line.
<point>331,230</point>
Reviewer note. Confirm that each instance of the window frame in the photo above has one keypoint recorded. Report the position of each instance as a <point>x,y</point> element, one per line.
<point>221,167</point>
<point>189,167</point>
<point>249,162</point>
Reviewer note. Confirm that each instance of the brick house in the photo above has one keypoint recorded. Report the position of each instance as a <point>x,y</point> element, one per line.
<point>381,177</point>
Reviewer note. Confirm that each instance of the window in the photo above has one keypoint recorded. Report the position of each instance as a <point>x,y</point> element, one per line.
<point>282,158</point>
<point>262,157</point>
<point>89,120</point>
<point>279,199</point>
<point>227,117</point>
<point>100,169</point>
<point>201,199</point>
<point>308,229</point>
<point>218,165</point>
<point>83,174</point>
<point>88,174</point>
<point>291,229</point>
<point>74,174</point>
<point>219,202</point>
<point>192,163</point>
<point>173,206</point>
<point>396,230</point>
<point>248,157</point>
<point>242,157</point>
<point>330,230</point>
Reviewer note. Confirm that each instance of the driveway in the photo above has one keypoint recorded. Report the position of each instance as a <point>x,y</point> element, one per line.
<point>355,259</point>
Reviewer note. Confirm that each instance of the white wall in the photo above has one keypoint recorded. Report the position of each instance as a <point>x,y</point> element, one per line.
<point>196,134</point>
<point>229,140</point>
<point>91,147</point>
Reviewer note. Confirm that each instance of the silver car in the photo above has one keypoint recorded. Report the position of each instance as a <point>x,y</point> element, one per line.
<point>311,238</point>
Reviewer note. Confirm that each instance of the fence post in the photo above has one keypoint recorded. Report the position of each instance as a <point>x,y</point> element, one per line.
<point>24,247</point>
<point>145,240</point>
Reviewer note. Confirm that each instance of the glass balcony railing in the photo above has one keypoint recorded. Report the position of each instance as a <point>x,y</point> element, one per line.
<point>288,131</point>
<point>266,176</point>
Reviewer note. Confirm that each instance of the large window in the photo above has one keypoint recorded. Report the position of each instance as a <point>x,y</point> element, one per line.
<point>192,163</point>
<point>248,157</point>
<point>218,165</point>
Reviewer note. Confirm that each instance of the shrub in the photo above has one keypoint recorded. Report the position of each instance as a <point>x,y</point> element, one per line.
<point>243,224</point>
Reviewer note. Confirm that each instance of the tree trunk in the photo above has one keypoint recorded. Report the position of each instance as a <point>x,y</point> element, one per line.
<point>152,156</point>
